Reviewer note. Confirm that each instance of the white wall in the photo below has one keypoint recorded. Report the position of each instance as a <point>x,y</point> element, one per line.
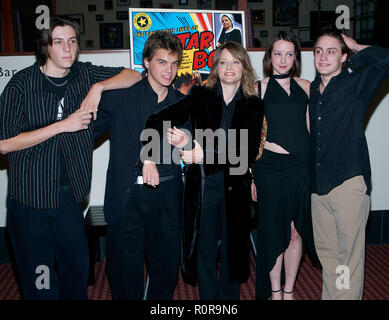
<point>377,130</point>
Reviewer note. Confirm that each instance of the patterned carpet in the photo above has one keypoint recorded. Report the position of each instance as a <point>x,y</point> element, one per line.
<point>308,284</point>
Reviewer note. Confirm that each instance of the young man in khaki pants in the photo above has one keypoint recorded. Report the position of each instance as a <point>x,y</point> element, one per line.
<point>339,98</point>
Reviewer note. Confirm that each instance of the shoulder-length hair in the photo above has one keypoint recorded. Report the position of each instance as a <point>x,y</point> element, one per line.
<point>248,76</point>
<point>287,36</point>
<point>45,37</point>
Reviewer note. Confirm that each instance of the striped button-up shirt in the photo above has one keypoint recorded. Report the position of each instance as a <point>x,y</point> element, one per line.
<point>27,104</point>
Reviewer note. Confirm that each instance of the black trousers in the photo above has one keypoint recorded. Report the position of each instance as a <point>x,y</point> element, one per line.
<point>212,229</point>
<point>39,237</point>
<point>148,229</point>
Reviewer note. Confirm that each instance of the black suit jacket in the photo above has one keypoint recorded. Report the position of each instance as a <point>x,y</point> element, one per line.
<point>203,108</point>
<point>120,111</point>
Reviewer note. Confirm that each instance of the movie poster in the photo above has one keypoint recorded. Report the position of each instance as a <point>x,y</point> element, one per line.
<point>200,32</point>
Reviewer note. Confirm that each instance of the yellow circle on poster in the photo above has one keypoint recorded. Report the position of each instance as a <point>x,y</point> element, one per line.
<point>142,21</point>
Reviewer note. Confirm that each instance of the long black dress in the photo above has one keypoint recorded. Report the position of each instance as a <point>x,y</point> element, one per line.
<point>282,180</point>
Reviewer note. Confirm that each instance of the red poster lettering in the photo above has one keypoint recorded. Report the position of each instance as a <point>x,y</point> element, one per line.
<point>210,58</point>
<point>199,60</point>
<point>206,38</point>
<point>193,42</point>
<point>183,37</point>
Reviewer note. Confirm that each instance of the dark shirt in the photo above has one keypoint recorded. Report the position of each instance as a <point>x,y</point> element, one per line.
<point>123,113</point>
<point>27,104</point>
<point>60,92</point>
<point>227,114</point>
<point>338,143</point>
<point>286,117</point>
<point>228,110</point>
<point>59,89</point>
<point>150,106</point>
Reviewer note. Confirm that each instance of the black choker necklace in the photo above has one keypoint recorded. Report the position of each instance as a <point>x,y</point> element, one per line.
<point>280,76</point>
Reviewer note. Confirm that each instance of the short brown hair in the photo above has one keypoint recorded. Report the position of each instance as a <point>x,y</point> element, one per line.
<point>248,76</point>
<point>161,40</point>
<point>45,37</point>
<point>337,35</point>
<point>286,36</point>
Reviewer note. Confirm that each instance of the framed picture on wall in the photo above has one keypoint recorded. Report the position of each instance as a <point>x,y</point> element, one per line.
<point>259,17</point>
<point>89,43</point>
<point>108,5</point>
<point>325,23</point>
<point>146,3</point>
<point>121,15</point>
<point>79,18</point>
<point>285,12</point>
<point>166,5</point>
<point>123,3</point>
<point>111,35</point>
<point>204,4</point>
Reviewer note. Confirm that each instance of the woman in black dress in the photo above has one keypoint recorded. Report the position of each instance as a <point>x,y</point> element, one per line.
<point>281,175</point>
<point>217,197</point>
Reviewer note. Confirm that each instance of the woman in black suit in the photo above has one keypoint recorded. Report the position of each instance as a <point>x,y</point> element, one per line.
<point>217,191</point>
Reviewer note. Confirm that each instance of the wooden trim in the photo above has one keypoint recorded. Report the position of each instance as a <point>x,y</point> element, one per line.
<point>264,49</point>
<point>6,54</point>
<point>105,51</point>
<point>53,8</point>
<point>243,6</point>
<point>7,26</point>
<point>255,49</point>
<point>82,52</point>
<point>122,50</point>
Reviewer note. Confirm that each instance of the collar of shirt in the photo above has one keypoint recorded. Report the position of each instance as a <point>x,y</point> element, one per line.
<point>47,86</point>
<point>153,96</point>
<point>317,81</point>
<point>219,91</point>
<point>231,30</point>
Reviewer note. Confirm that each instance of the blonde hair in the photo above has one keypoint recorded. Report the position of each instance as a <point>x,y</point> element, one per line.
<point>248,75</point>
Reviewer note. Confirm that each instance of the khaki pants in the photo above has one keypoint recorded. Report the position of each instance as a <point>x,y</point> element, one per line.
<point>339,220</point>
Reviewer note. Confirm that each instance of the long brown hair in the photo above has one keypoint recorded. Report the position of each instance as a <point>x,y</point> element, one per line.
<point>287,36</point>
<point>248,75</point>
